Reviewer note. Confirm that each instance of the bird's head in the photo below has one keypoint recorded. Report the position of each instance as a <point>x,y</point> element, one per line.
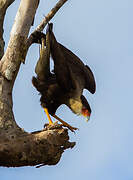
<point>80,107</point>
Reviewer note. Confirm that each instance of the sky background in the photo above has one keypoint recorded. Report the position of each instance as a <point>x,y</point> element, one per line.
<point>100,32</point>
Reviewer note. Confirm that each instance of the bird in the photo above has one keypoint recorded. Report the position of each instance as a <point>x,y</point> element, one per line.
<point>65,84</point>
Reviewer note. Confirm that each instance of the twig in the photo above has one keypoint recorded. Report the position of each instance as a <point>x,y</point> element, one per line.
<point>46,19</point>
<point>50,15</point>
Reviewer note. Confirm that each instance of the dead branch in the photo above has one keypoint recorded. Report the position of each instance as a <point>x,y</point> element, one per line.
<point>16,50</point>
<point>17,147</point>
<point>4,4</point>
<point>50,15</point>
<point>44,147</point>
<point>44,22</point>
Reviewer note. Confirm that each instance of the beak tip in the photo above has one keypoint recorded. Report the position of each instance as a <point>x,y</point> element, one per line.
<point>87,118</point>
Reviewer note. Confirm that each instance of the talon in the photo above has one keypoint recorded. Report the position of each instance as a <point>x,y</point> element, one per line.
<point>71,128</point>
<point>65,124</point>
<point>55,125</point>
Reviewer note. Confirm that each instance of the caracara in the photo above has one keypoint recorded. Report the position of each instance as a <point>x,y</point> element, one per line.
<point>66,83</point>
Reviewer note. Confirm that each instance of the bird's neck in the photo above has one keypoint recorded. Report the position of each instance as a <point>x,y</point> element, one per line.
<point>75,105</point>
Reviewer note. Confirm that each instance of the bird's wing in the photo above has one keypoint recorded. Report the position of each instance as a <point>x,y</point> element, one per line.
<point>85,72</point>
<point>71,58</point>
<point>61,69</point>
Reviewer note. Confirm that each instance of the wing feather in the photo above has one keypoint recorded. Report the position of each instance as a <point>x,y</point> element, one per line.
<point>75,63</point>
<point>61,69</point>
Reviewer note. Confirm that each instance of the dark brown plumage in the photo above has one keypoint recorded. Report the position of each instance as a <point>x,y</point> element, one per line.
<point>70,77</point>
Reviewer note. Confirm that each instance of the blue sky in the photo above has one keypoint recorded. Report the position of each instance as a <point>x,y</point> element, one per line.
<point>101,34</point>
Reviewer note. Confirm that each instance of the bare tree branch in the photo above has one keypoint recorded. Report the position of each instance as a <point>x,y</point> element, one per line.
<point>17,147</point>
<point>19,34</point>
<point>9,66</point>
<point>44,147</point>
<point>44,22</point>
<point>16,50</point>
<point>50,15</point>
<point>4,4</point>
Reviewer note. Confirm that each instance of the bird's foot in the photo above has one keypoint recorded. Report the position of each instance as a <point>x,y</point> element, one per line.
<point>71,128</point>
<point>65,124</point>
<point>54,125</point>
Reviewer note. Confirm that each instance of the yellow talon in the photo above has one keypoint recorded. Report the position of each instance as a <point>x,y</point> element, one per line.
<point>49,119</point>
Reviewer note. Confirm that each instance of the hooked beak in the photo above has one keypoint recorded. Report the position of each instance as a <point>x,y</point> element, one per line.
<point>87,118</point>
<point>86,114</point>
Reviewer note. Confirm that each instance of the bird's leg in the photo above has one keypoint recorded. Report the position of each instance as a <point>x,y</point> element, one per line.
<point>42,68</point>
<point>65,124</point>
<point>49,119</point>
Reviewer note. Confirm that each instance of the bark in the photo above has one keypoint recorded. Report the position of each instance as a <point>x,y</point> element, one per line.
<point>44,147</point>
<point>17,147</point>
<point>4,4</point>
<point>16,50</point>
